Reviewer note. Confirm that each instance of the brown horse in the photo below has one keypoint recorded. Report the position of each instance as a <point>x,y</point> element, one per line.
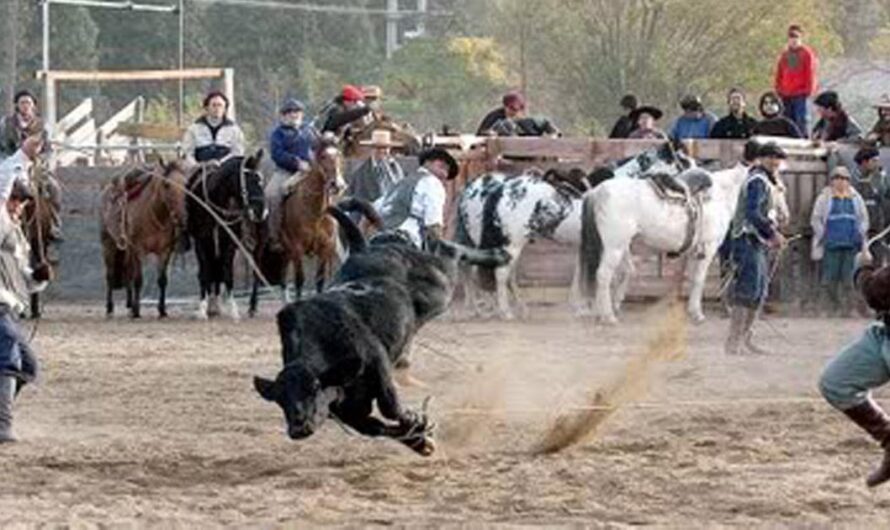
<point>37,222</point>
<point>142,214</point>
<point>305,228</point>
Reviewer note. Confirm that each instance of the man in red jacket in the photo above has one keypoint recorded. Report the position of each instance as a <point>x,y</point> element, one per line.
<point>796,77</point>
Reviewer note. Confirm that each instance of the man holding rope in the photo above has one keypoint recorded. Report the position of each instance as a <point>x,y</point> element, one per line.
<point>864,365</point>
<point>18,364</point>
<point>753,233</point>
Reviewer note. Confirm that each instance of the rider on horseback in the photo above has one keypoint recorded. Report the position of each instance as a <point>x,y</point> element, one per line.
<point>213,137</point>
<point>346,109</point>
<point>291,146</point>
<point>14,129</point>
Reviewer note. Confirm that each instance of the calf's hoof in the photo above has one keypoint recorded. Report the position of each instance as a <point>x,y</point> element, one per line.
<point>422,445</point>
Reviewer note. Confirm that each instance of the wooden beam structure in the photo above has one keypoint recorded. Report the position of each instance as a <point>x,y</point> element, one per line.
<point>131,75</point>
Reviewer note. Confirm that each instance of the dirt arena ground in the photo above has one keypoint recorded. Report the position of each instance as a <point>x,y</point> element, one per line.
<point>156,424</point>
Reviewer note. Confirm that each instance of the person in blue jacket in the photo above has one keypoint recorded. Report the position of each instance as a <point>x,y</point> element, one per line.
<point>291,145</point>
<point>753,232</point>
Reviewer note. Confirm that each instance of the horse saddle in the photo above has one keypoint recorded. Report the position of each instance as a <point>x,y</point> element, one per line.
<point>692,183</point>
<point>132,183</point>
<point>687,188</point>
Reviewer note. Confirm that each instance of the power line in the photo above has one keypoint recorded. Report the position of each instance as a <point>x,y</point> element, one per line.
<point>316,8</point>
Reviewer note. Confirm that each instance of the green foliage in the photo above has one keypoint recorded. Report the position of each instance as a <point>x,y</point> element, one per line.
<point>433,82</point>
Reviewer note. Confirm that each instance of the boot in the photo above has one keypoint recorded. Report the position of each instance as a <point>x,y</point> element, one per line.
<point>875,422</point>
<point>748,333</point>
<point>733,344</point>
<point>7,395</point>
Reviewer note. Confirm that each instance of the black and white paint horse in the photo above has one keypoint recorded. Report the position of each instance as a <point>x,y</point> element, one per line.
<point>233,192</point>
<point>497,211</point>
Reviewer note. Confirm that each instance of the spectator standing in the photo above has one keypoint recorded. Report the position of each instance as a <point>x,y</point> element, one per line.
<point>880,133</point>
<point>774,123</point>
<point>646,117</point>
<point>795,79</point>
<point>834,123</point>
<point>625,125</point>
<point>840,227</point>
<point>871,182</point>
<point>694,123</point>
<point>512,106</point>
<point>736,125</point>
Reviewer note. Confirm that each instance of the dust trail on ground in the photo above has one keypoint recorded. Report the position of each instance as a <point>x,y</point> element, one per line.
<point>485,391</point>
<point>668,342</point>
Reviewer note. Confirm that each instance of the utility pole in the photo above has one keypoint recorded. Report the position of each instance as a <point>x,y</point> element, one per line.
<point>392,27</point>
<point>10,40</point>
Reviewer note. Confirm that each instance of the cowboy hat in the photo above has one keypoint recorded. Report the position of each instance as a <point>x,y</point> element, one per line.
<point>772,150</point>
<point>437,153</point>
<point>380,138</point>
<point>646,109</point>
<point>372,92</point>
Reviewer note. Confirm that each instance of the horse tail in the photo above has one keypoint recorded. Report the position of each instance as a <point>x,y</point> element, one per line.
<point>355,240</point>
<point>591,251</point>
<point>354,204</point>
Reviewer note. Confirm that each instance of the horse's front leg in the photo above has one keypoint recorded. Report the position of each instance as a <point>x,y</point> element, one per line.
<point>229,283</point>
<point>202,312</point>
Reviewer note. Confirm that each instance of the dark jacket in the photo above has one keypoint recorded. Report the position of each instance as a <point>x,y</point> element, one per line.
<point>841,127</point>
<point>730,127</point>
<point>490,120</point>
<point>340,117</point>
<point>524,127</point>
<point>623,127</point>
<point>776,126</point>
<point>289,145</point>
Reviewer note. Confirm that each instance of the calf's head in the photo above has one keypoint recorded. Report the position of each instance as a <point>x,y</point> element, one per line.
<point>300,395</point>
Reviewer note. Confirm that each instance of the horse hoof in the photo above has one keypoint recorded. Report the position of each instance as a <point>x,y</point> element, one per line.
<point>697,318</point>
<point>610,320</point>
<point>162,316</point>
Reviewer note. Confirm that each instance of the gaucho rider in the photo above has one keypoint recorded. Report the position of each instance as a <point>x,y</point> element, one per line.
<point>291,147</point>
<point>753,232</point>
<point>213,137</point>
<point>14,129</point>
<point>416,204</point>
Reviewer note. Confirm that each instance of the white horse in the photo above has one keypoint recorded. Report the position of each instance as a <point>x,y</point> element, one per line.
<point>495,211</point>
<point>620,210</point>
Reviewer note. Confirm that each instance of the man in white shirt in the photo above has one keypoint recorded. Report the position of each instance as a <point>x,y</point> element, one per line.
<point>416,204</point>
<point>18,166</point>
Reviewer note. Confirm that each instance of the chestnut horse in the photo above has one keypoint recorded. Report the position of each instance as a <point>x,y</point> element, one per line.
<point>37,222</point>
<point>305,228</point>
<point>142,214</point>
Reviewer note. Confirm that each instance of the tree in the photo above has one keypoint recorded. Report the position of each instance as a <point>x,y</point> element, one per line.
<point>434,82</point>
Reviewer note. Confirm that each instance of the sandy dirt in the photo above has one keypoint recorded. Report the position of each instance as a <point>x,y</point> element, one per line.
<point>156,424</point>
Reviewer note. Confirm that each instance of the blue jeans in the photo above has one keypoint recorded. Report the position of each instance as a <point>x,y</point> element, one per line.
<point>749,285</point>
<point>848,379</point>
<point>796,111</point>
<point>16,356</point>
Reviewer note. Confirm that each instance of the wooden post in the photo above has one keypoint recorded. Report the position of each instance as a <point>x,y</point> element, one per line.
<point>229,89</point>
<point>50,114</point>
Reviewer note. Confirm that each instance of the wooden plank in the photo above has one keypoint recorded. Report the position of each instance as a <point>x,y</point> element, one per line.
<point>152,131</point>
<point>540,147</point>
<point>74,117</point>
<point>131,75</point>
<point>125,114</point>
